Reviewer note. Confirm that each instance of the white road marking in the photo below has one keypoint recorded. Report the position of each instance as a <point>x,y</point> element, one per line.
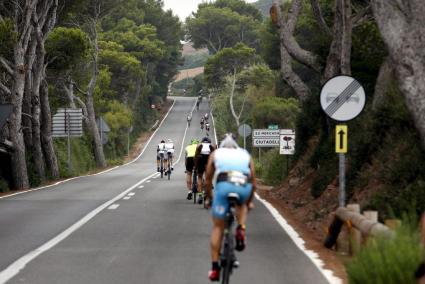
<point>13,269</point>
<point>148,181</point>
<point>113,206</point>
<point>299,242</point>
<point>131,194</point>
<point>127,197</point>
<point>142,186</point>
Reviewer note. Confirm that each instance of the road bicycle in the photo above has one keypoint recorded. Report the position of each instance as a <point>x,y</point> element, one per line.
<point>228,259</point>
<point>161,164</point>
<point>170,161</point>
<point>194,185</point>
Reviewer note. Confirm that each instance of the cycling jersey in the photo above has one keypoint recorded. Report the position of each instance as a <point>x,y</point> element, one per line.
<point>169,147</point>
<point>191,151</point>
<point>161,148</point>
<point>228,160</point>
<point>206,149</point>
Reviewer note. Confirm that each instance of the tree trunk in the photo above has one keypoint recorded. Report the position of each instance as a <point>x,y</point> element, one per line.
<point>339,57</point>
<point>19,167</point>
<point>46,132</point>
<point>97,143</point>
<point>383,83</point>
<point>69,91</point>
<point>402,25</point>
<point>232,93</point>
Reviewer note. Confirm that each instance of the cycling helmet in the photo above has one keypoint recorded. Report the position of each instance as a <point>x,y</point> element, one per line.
<point>228,141</point>
<point>162,141</point>
<point>206,140</point>
<point>194,141</point>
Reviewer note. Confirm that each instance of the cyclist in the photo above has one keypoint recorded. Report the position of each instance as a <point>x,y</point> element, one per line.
<point>202,154</point>
<point>169,148</point>
<point>206,117</point>
<point>190,164</point>
<point>189,119</point>
<point>160,151</point>
<point>197,104</point>
<point>229,164</point>
<point>207,127</point>
<point>202,123</point>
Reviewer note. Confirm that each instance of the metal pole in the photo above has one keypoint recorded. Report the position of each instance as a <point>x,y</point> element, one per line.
<point>244,136</point>
<point>259,155</point>
<point>341,179</point>
<point>67,122</point>
<point>128,144</point>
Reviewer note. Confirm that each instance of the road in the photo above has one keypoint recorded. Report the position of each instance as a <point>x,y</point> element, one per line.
<point>129,226</point>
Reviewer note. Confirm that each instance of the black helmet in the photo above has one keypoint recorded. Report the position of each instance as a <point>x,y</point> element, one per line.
<point>206,140</point>
<point>162,141</point>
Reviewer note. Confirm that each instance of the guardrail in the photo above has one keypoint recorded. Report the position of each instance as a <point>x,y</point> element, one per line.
<point>359,226</point>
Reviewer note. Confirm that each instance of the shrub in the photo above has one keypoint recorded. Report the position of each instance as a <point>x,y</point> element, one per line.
<point>388,260</point>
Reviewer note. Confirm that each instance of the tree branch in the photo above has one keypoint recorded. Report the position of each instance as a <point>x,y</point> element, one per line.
<point>6,64</point>
<point>317,12</point>
<point>5,89</point>
<point>362,16</point>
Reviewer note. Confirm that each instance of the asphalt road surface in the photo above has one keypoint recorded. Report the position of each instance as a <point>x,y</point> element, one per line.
<point>130,226</point>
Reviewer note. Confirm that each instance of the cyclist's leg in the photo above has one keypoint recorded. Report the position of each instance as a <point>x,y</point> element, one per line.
<point>157,161</point>
<point>216,237</point>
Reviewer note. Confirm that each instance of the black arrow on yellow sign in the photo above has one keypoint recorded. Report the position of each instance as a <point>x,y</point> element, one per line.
<point>341,139</point>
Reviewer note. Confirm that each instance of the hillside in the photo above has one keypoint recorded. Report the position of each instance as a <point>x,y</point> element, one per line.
<point>193,58</point>
<point>263,6</point>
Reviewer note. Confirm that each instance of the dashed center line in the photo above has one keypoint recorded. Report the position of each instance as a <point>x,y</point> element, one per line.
<point>148,181</point>
<point>142,186</point>
<point>127,197</point>
<point>113,206</point>
<point>131,194</point>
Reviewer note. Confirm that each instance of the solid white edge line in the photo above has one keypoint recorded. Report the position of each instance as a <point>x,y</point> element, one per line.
<point>299,242</point>
<point>215,132</point>
<point>103,172</point>
<point>13,269</point>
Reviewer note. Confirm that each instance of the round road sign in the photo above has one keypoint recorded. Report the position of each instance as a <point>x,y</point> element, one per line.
<point>244,130</point>
<point>342,98</point>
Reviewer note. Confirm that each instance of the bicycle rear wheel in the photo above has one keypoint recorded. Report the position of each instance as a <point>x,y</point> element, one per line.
<point>194,187</point>
<point>162,168</point>
<point>226,262</point>
<point>169,171</point>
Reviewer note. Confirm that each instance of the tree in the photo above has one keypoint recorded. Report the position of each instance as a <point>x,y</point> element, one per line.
<point>402,25</point>
<point>218,28</point>
<point>229,62</point>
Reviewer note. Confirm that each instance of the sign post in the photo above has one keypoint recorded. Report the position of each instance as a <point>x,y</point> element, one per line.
<point>287,145</point>
<point>342,98</point>
<point>244,130</point>
<point>68,122</point>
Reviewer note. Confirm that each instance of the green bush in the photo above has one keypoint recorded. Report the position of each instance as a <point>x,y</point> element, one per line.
<point>4,186</point>
<point>388,261</point>
<point>272,168</point>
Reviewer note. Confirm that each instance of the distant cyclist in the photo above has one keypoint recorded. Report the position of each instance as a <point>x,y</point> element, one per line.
<point>160,153</point>
<point>207,127</point>
<point>169,148</point>
<point>233,170</point>
<point>202,123</point>
<point>206,116</point>
<point>189,119</point>
<point>197,105</point>
<point>189,162</point>
<point>203,152</point>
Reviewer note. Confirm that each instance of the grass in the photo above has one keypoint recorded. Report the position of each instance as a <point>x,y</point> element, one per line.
<point>388,261</point>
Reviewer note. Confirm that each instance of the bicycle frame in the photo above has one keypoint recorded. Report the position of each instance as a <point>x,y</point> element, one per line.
<point>228,257</point>
<point>194,185</point>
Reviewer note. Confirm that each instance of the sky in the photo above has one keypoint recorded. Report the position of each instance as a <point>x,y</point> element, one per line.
<point>184,8</point>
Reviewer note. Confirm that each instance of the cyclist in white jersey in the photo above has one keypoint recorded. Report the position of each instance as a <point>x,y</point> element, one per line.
<point>160,152</point>
<point>169,148</point>
<point>203,152</point>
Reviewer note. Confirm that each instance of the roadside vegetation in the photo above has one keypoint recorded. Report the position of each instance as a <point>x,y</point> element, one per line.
<point>113,59</point>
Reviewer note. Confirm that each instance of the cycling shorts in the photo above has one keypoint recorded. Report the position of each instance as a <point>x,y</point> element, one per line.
<point>190,164</point>
<point>168,156</point>
<point>220,204</point>
<point>159,155</point>
<point>202,164</point>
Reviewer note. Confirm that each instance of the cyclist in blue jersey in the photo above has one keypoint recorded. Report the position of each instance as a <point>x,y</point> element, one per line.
<point>233,171</point>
